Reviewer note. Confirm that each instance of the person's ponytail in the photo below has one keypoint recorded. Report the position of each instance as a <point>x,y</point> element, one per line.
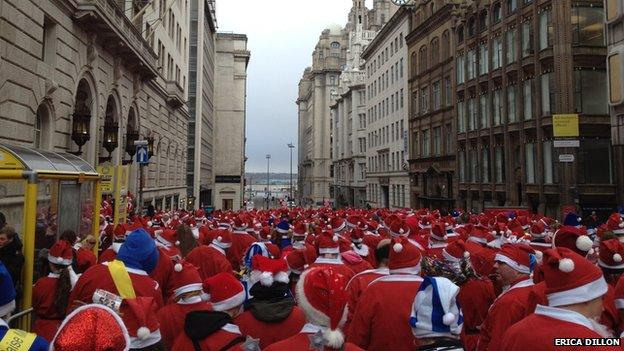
<point>62,290</point>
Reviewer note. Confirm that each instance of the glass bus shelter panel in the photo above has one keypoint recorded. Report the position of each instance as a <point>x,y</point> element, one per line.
<point>69,206</point>
<point>12,202</point>
<point>46,228</point>
<point>86,206</point>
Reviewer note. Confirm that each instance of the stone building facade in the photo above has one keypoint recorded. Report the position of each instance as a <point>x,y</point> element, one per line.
<point>117,65</point>
<point>517,64</point>
<point>317,89</point>
<point>387,98</point>
<point>432,107</point>
<point>232,58</point>
<point>614,16</point>
<point>201,90</point>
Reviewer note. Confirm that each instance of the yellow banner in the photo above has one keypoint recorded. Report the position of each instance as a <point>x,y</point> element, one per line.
<point>17,340</point>
<point>566,125</point>
<point>121,278</point>
<point>107,173</point>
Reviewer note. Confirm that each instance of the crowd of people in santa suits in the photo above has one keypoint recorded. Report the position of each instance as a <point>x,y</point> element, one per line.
<point>320,279</point>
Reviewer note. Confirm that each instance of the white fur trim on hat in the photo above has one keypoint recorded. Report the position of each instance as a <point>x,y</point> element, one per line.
<point>511,263</point>
<point>59,260</point>
<point>580,294</point>
<point>329,250</point>
<point>187,288</point>
<point>230,302</point>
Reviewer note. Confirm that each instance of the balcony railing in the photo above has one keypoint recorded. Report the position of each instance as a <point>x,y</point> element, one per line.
<point>116,32</point>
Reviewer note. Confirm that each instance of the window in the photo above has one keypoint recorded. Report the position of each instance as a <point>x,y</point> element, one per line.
<point>459,68</point>
<point>474,166</point>
<point>462,166</point>
<point>511,45</point>
<point>483,20</point>
<point>437,141</point>
<point>414,64</point>
<point>425,148</point>
<point>512,5</point>
<point>497,14</point>
<point>547,156</point>
<point>499,164</point>
<point>546,30</point>
<point>497,106</point>
<point>415,145</point>
<point>485,169</point>
<point>529,151</point>
<point>527,38</point>
<point>435,51</point>
<point>424,100</point>
<point>590,92</point>
<point>614,63</point>
<point>594,164</point>
<point>472,114</point>
<point>497,53</point>
<point>461,118</point>
<point>587,26</point>
<point>435,92</point>
<point>483,59</point>
<point>401,69</point>
<point>485,111</point>
<point>511,104</point>
<point>38,126</point>
<point>613,10</point>
<point>422,59</point>
<point>48,47</point>
<point>401,99</point>
<point>548,97</point>
<point>472,27</point>
<point>447,91</point>
<point>449,139</point>
<point>527,99</point>
<point>446,44</point>
<point>335,45</point>
<point>472,64</point>
<point>460,34</point>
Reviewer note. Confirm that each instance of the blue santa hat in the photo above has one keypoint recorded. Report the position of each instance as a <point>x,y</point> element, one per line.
<point>436,312</point>
<point>255,249</point>
<point>7,292</point>
<point>139,251</point>
<point>455,213</point>
<point>283,227</point>
<point>572,219</point>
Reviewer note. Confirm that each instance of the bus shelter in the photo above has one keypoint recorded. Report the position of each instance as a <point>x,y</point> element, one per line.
<point>42,194</point>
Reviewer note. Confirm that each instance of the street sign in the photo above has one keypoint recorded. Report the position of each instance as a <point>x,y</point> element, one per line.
<point>142,154</point>
<point>566,158</point>
<point>567,143</point>
<point>566,125</point>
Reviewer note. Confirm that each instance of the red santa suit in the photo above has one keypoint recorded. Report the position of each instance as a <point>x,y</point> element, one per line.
<point>229,334</point>
<point>301,342</point>
<point>356,287</point>
<point>162,273</point>
<point>48,319</point>
<point>171,318</point>
<point>380,320</point>
<point>270,332</point>
<point>85,259</point>
<point>336,263</point>
<point>510,307</point>
<point>538,331</point>
<point>354,261</point>
<point>241,241</point>
<point>110,254</point>
<point>210,260</point>
<point>475,298</point>
<point>98,277</point>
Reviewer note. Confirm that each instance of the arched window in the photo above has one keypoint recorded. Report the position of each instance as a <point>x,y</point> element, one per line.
<point>483,20</point>
<point>414,64</point>
<point>435,51</point>
<point>472,27</point>
<point>446,43</point>
<point>422,59</point>
<point>460,34</point>
<point>41,128</point>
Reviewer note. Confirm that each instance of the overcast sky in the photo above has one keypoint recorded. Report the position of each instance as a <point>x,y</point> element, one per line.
<point>282,35</point>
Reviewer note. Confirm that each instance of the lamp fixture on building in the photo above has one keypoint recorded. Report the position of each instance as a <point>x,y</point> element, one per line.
<point>150,146</point>
<point>81,119</point>
<point>110,143</point>
<point>131,137</point>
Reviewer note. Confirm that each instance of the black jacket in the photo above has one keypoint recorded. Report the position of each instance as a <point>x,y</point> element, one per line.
<point>13,259</point>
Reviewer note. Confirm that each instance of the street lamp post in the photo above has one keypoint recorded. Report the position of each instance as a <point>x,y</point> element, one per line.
<point>268,157</point>
<point>291,147</point>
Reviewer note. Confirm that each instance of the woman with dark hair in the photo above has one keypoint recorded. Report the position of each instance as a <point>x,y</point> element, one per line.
<point>186,238</point>
<point>51,293</point>
<point>11,255</point>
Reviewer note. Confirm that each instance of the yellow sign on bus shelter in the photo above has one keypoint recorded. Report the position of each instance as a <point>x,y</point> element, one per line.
<point>566,125</point>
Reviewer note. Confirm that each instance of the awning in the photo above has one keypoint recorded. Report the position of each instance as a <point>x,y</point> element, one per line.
<point>15,157</point>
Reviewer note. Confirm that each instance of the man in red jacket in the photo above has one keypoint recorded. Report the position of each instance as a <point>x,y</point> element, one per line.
<point>271,314</point>
<point>380,320</point>
<point>211,259</point>
<point>329,254</point>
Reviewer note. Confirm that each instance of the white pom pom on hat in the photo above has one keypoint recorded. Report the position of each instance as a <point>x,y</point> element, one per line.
<point>177,243</point>
<point>177,267</point>
<point>398,247</point>
<point>466,254</point>
<point>617,257</point>
<point>584,243</point>
<point>334,338</point>
<point>566,265</point>
<point>335,238</point>
<point>143,333</point>
<point>266,278</point>
<point>448,318</point>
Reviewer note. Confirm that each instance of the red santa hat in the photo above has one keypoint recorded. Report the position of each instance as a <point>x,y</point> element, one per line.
<point>185,278</point>
<point>611,254</point>
<point>300,229</point>
<point>268,270</point>
<point>91,327</point>
<point>500,229</point>
<point>538,230</point>
<point>571,278</point>
<point>167,237</point>
<point>398,228</point>
<point>574,239</point>
<point>298,261</point>
<point>455,251</point>
<point>615,224</point>
<point>241,222</point>
<point>338,224</point>
<point>357,235</point>
<point>438,231</point>
<point>321,295</point>
<point>200,214</point>
<point>222,238</point>
<point>404,257</point>
<point>480,235</point>
<point>61,253</point>
<point>517,257</point>
<point>328,243</point>
<point>225,291</point>
<point>141,321</point>
<point>120,232</point>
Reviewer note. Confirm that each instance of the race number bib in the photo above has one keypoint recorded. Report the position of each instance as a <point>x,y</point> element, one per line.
<point>108,299</point>
<point>17,340</point>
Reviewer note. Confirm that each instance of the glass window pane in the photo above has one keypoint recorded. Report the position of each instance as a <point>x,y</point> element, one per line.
<point>530,162</point>
<point>588,26</point>
<point>547,156</point>
<point>615,78</point>
<point>528,99</point>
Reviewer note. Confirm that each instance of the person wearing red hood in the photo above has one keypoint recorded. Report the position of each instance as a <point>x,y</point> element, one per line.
<point>119,236</point>
<point>211,259</point>
<point>187,297</point>
<point>362,249</point>
<point>381,318</point>
<point>514,264</point>
<point>329,251</point>
<point>271,314</point>
<point>241,240</point>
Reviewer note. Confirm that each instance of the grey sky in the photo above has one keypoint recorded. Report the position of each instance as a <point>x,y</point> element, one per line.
<point>282,35</point>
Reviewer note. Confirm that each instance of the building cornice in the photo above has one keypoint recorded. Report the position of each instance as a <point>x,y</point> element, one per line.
<point>435,21</point>
<point>394,22</point>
